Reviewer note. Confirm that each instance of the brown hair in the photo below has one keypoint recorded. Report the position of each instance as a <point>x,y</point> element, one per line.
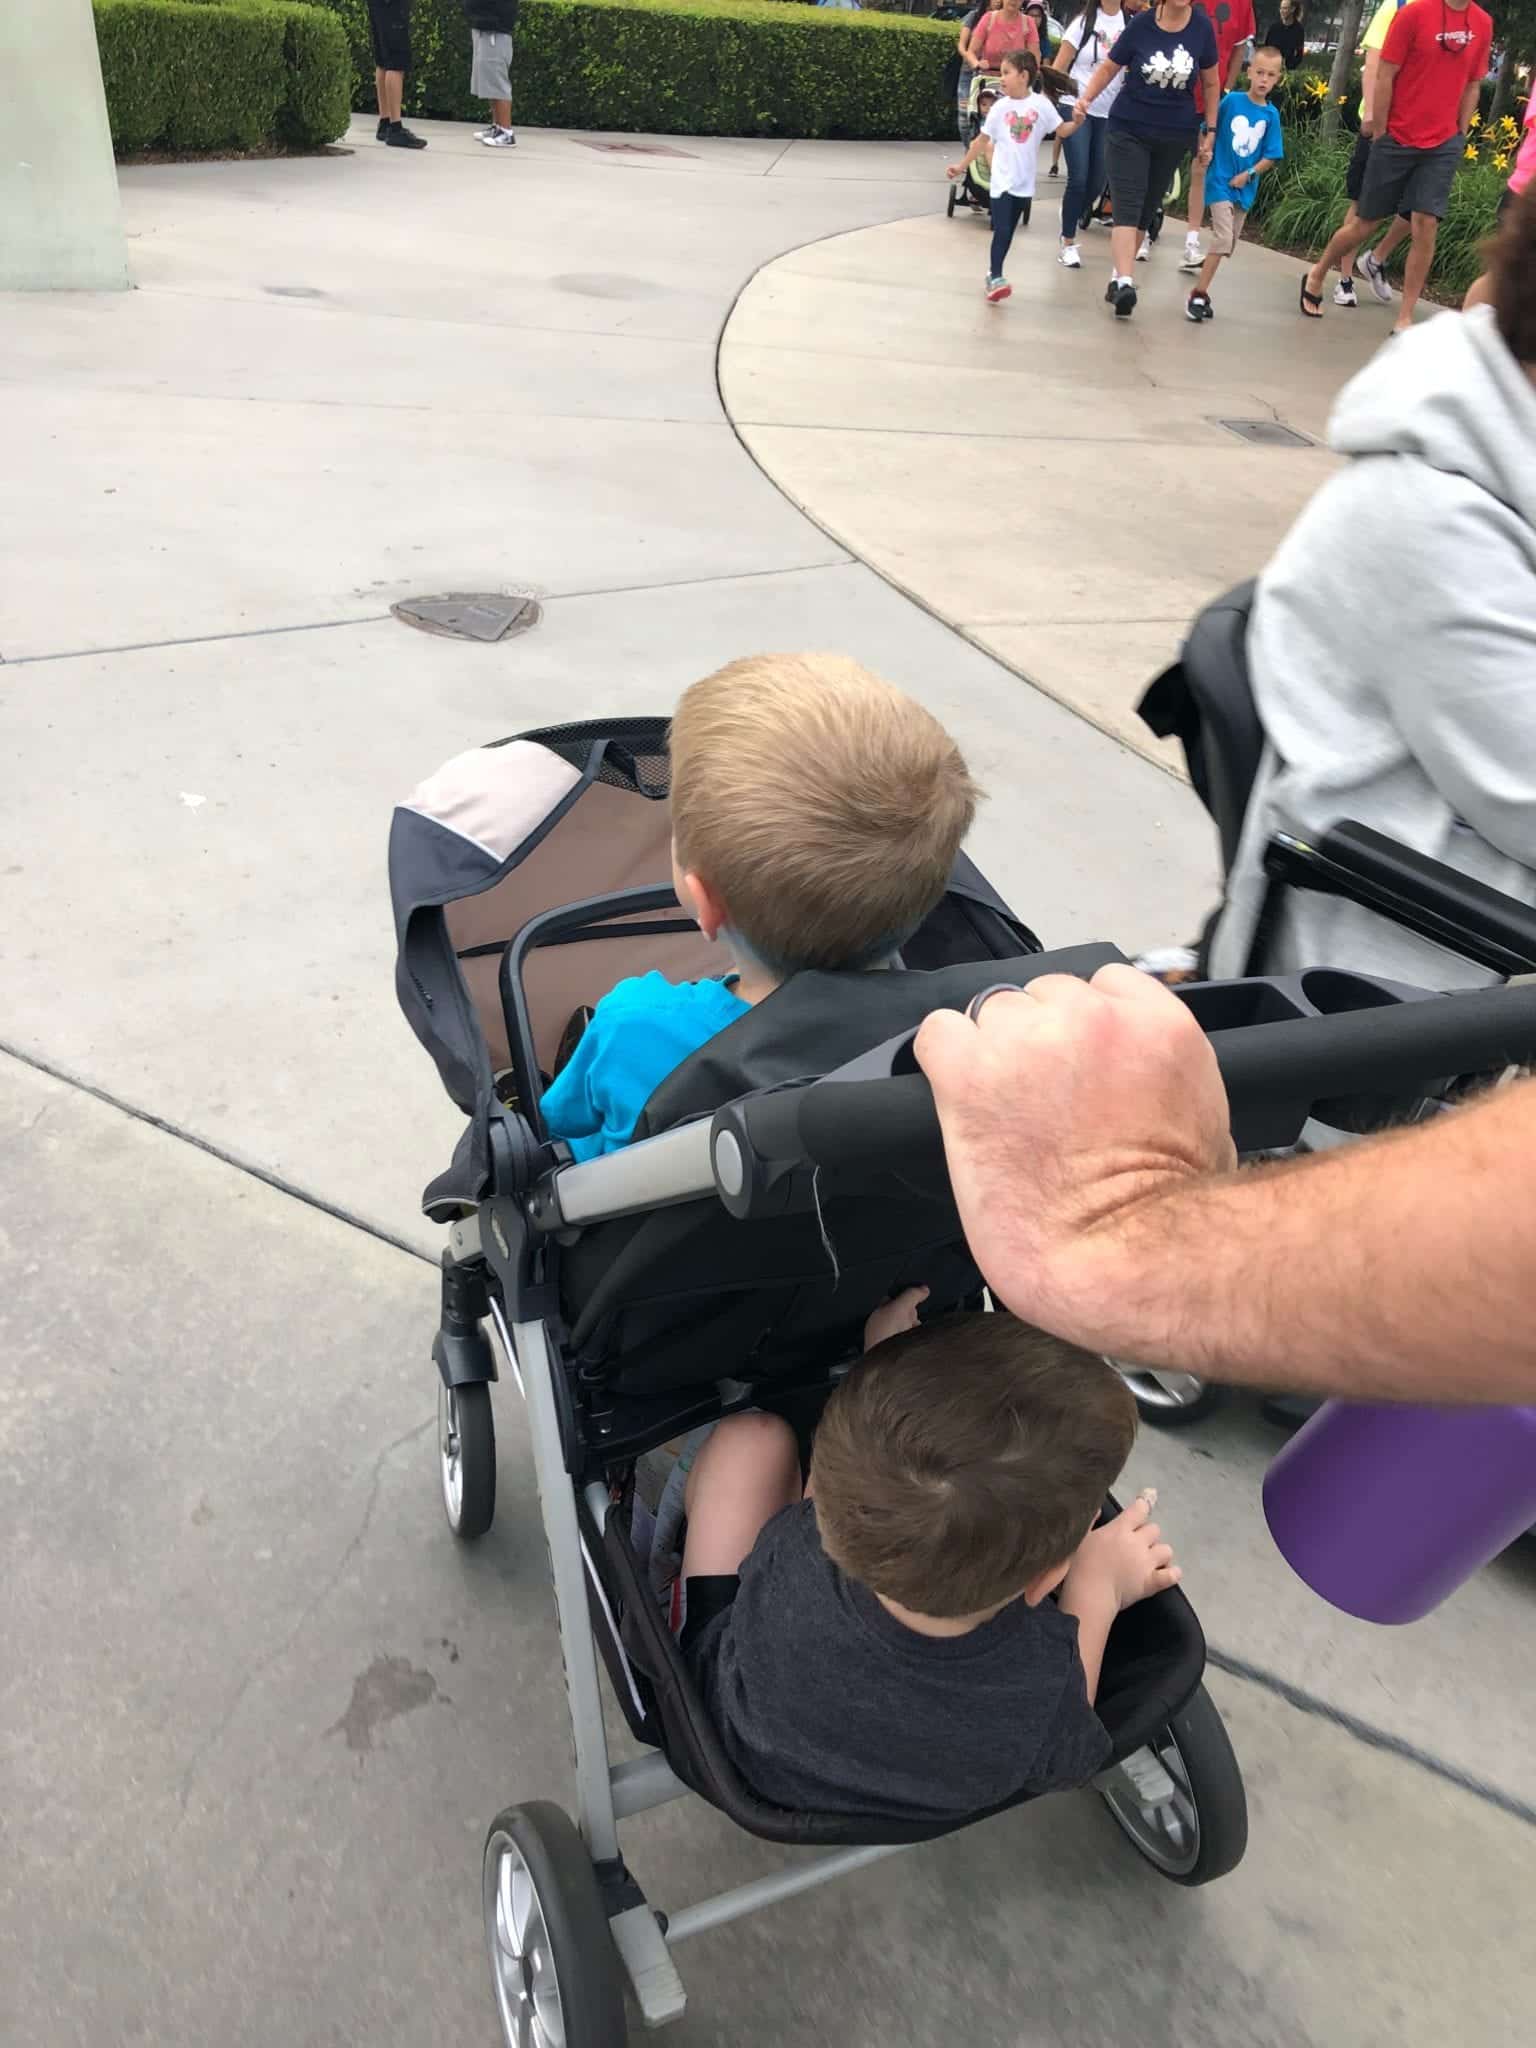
<point>1513,263</point>
<point>824,806</point>
<point>1021,60</point>
<point>962,1459</point>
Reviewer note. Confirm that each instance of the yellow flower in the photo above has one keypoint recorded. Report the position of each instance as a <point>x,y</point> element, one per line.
<point>1501,162</point>
<point>1475,122</point>
<point>1470,152</point>
<point>1318,88</point>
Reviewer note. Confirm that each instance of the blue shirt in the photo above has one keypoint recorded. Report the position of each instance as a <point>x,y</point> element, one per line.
<point>1162,74</point>
<point>640,1031</point>
<point>1247,131</point>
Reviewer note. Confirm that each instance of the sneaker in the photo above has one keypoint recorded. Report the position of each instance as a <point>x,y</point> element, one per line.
<point>1068,257</point>
<point>1194,256</point>
<point>998,288</point>
<point>1055,170</point>
<point>1370,270</point>
<point>400,137</point>
<point>383,128</point>
<point>1144,253</point>
<point>1124,298</point>
<point>1197,306</point>
<point>499,138</point>
<point>1344,292</point>
<point>481,133</point>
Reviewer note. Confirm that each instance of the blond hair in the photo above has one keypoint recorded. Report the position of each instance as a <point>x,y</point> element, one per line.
<point>822,805</point>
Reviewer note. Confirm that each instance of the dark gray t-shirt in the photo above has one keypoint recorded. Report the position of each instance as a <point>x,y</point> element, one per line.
<point>826,1703</point>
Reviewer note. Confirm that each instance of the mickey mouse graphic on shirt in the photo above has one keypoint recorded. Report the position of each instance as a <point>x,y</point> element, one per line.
<point>1247,135</point>
<point>1167,72</point>
<point>1021,125</point>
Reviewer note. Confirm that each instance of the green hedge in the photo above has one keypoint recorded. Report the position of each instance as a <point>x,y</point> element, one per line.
<point>1299,205</point>
<point>188,75</point>
<point>701,67</point>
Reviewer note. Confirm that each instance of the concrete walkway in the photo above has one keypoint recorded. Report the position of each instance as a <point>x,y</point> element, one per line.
<point>257,1707</point>
<point>1056,483</point>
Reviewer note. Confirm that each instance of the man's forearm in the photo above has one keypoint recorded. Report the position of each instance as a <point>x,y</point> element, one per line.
<point>1380,102</point>
<point>1401,1268</point>
<point>1468,106</point>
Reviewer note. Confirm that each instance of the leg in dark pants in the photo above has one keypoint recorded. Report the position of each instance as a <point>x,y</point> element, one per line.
<point>1007,212</point>
<point>1084,152</point>
<point>1166,158</point>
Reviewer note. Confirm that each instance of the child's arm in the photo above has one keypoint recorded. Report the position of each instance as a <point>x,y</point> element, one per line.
<point>1240,178</point>
<point>894,1316</point>
<point>1116,1565</point>
<point>959,170</point>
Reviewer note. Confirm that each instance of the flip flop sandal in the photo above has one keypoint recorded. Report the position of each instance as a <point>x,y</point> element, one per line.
<point>1311,302</point>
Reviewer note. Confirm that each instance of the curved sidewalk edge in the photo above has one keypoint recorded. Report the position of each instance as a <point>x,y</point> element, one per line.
<point>1055,484</point>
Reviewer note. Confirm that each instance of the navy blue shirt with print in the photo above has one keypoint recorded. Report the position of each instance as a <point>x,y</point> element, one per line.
<point>1162,70</point>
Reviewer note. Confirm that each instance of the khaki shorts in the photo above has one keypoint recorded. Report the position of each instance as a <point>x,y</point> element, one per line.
<point>1227,219</point>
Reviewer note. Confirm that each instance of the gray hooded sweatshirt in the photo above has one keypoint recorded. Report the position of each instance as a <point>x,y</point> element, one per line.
<point>1393,650</point>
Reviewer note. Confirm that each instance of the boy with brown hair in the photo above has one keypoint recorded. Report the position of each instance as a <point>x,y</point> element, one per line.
<point>816,815</point>
<point>887,1644</point>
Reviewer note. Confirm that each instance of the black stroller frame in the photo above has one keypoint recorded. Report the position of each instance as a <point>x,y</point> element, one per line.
<point>540,1254</point>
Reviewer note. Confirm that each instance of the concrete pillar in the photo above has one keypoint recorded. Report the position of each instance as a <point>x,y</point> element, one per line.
<point>60,227</point>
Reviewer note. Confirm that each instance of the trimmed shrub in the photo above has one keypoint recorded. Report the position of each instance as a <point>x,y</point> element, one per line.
<point>685,67</point>
<point>185,75</point>
<point>1300,204</point>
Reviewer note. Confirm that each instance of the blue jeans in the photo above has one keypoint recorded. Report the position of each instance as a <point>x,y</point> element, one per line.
<point>1084,153</point>
<point>1007,212</point>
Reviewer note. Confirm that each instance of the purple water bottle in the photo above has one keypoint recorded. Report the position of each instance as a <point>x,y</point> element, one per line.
<point>1386,1511</point>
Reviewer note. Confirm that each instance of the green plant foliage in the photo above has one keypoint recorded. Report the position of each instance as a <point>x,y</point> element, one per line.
<point>1300,204</point>
<point>184,75</point>
<point>685,67</point>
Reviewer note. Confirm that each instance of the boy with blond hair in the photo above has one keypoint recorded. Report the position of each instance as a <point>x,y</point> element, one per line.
<point>920,1636</point>
<point>816,815</point>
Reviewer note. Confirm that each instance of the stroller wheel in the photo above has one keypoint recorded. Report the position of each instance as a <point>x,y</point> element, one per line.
<point>954,195</point>
<point>1171,1400</point>
<point>554,1967</point>
<point>466,1457</point>
<point>1181,1799</point>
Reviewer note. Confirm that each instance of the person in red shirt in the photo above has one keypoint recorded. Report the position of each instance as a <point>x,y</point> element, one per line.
<point>1235,31</point>
<point>1432,64</point>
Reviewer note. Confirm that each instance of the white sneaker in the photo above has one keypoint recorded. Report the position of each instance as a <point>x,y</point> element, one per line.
<point>1370,270</point>
<point>1344,293</point>
<point>1194,255</point>
<point>481,133</point>
<point>1068,257</point>
<point>499,138</point>
<point>1144,253</point>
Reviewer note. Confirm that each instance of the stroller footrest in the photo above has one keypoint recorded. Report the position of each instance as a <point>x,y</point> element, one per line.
<point>650,1969</point>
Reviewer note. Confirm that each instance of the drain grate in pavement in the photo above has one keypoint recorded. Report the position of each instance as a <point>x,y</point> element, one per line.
<point>470,614</point>
<point>636,149</point>
<point>1267,434</point>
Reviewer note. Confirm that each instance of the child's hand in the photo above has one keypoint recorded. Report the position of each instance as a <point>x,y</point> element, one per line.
<point>1126,1560</point>
<point>1239,180</point>
<point>953,170</point>
<point>894,1317</point>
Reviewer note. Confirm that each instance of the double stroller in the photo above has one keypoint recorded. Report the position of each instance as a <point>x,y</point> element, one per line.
<point>785,1180</point>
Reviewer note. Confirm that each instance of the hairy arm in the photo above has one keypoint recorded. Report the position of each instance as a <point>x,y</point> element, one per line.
<point>1380,101</point>
<point>1086,1130</point>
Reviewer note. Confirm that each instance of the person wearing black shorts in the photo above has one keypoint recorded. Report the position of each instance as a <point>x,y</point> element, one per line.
<point>389,24</point>
<point>1370,261</point>
<point>1432,65</point>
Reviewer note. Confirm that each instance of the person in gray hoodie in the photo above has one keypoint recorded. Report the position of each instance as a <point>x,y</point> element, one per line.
<point>1392,644</point>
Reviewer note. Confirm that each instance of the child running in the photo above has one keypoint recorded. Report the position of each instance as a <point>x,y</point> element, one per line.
<point>1248,142</point>
<point>816,814</point>
<point>888,1644</point>
<point>1019,122</point>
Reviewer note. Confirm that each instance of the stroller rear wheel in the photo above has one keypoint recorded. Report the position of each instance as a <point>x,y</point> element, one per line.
<point>466,1457</point>
<point>1171,1400</point>
<point>1181,1799</point>
<point>954,194</point>
<point>553,1963</point>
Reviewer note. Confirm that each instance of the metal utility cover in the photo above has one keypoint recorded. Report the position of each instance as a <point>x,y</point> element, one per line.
<point>1267,434</point>
<point>637,149</point>
<point>470,614</point>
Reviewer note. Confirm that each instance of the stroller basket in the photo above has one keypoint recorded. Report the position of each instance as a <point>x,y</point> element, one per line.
<point>689,1276</point>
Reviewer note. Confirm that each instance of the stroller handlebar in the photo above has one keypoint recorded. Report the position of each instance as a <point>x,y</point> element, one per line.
<point>752,1151</point>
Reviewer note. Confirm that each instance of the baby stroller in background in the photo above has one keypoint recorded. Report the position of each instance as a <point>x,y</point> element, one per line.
<point>1205,701</point>
<point>794,1161</point>
<point>974,188</point>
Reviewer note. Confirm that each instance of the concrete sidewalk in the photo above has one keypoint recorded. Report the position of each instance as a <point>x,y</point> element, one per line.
<point>258,1707</point>
<point>1054,482</point>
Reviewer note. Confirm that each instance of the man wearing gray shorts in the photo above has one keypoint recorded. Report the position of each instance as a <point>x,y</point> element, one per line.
<point>491,26</point>
<point>1432,63</point>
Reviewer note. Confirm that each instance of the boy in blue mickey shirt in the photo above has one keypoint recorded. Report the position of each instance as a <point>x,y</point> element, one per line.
<point>1248,141</point>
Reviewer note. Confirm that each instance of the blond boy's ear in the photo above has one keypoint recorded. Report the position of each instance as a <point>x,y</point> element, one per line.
<point>703,903</point>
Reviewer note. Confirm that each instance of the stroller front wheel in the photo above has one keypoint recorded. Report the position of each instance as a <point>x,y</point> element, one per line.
<point>1169,1399</point>
<point>466,1458</point>
<point>1181,1799</point>
<point>553,1963</point>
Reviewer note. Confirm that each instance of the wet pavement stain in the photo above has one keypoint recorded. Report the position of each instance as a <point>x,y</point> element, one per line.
<point>389,1687</point>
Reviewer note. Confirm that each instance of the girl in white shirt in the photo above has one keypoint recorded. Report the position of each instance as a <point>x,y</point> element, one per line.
<point>1088,40</point>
